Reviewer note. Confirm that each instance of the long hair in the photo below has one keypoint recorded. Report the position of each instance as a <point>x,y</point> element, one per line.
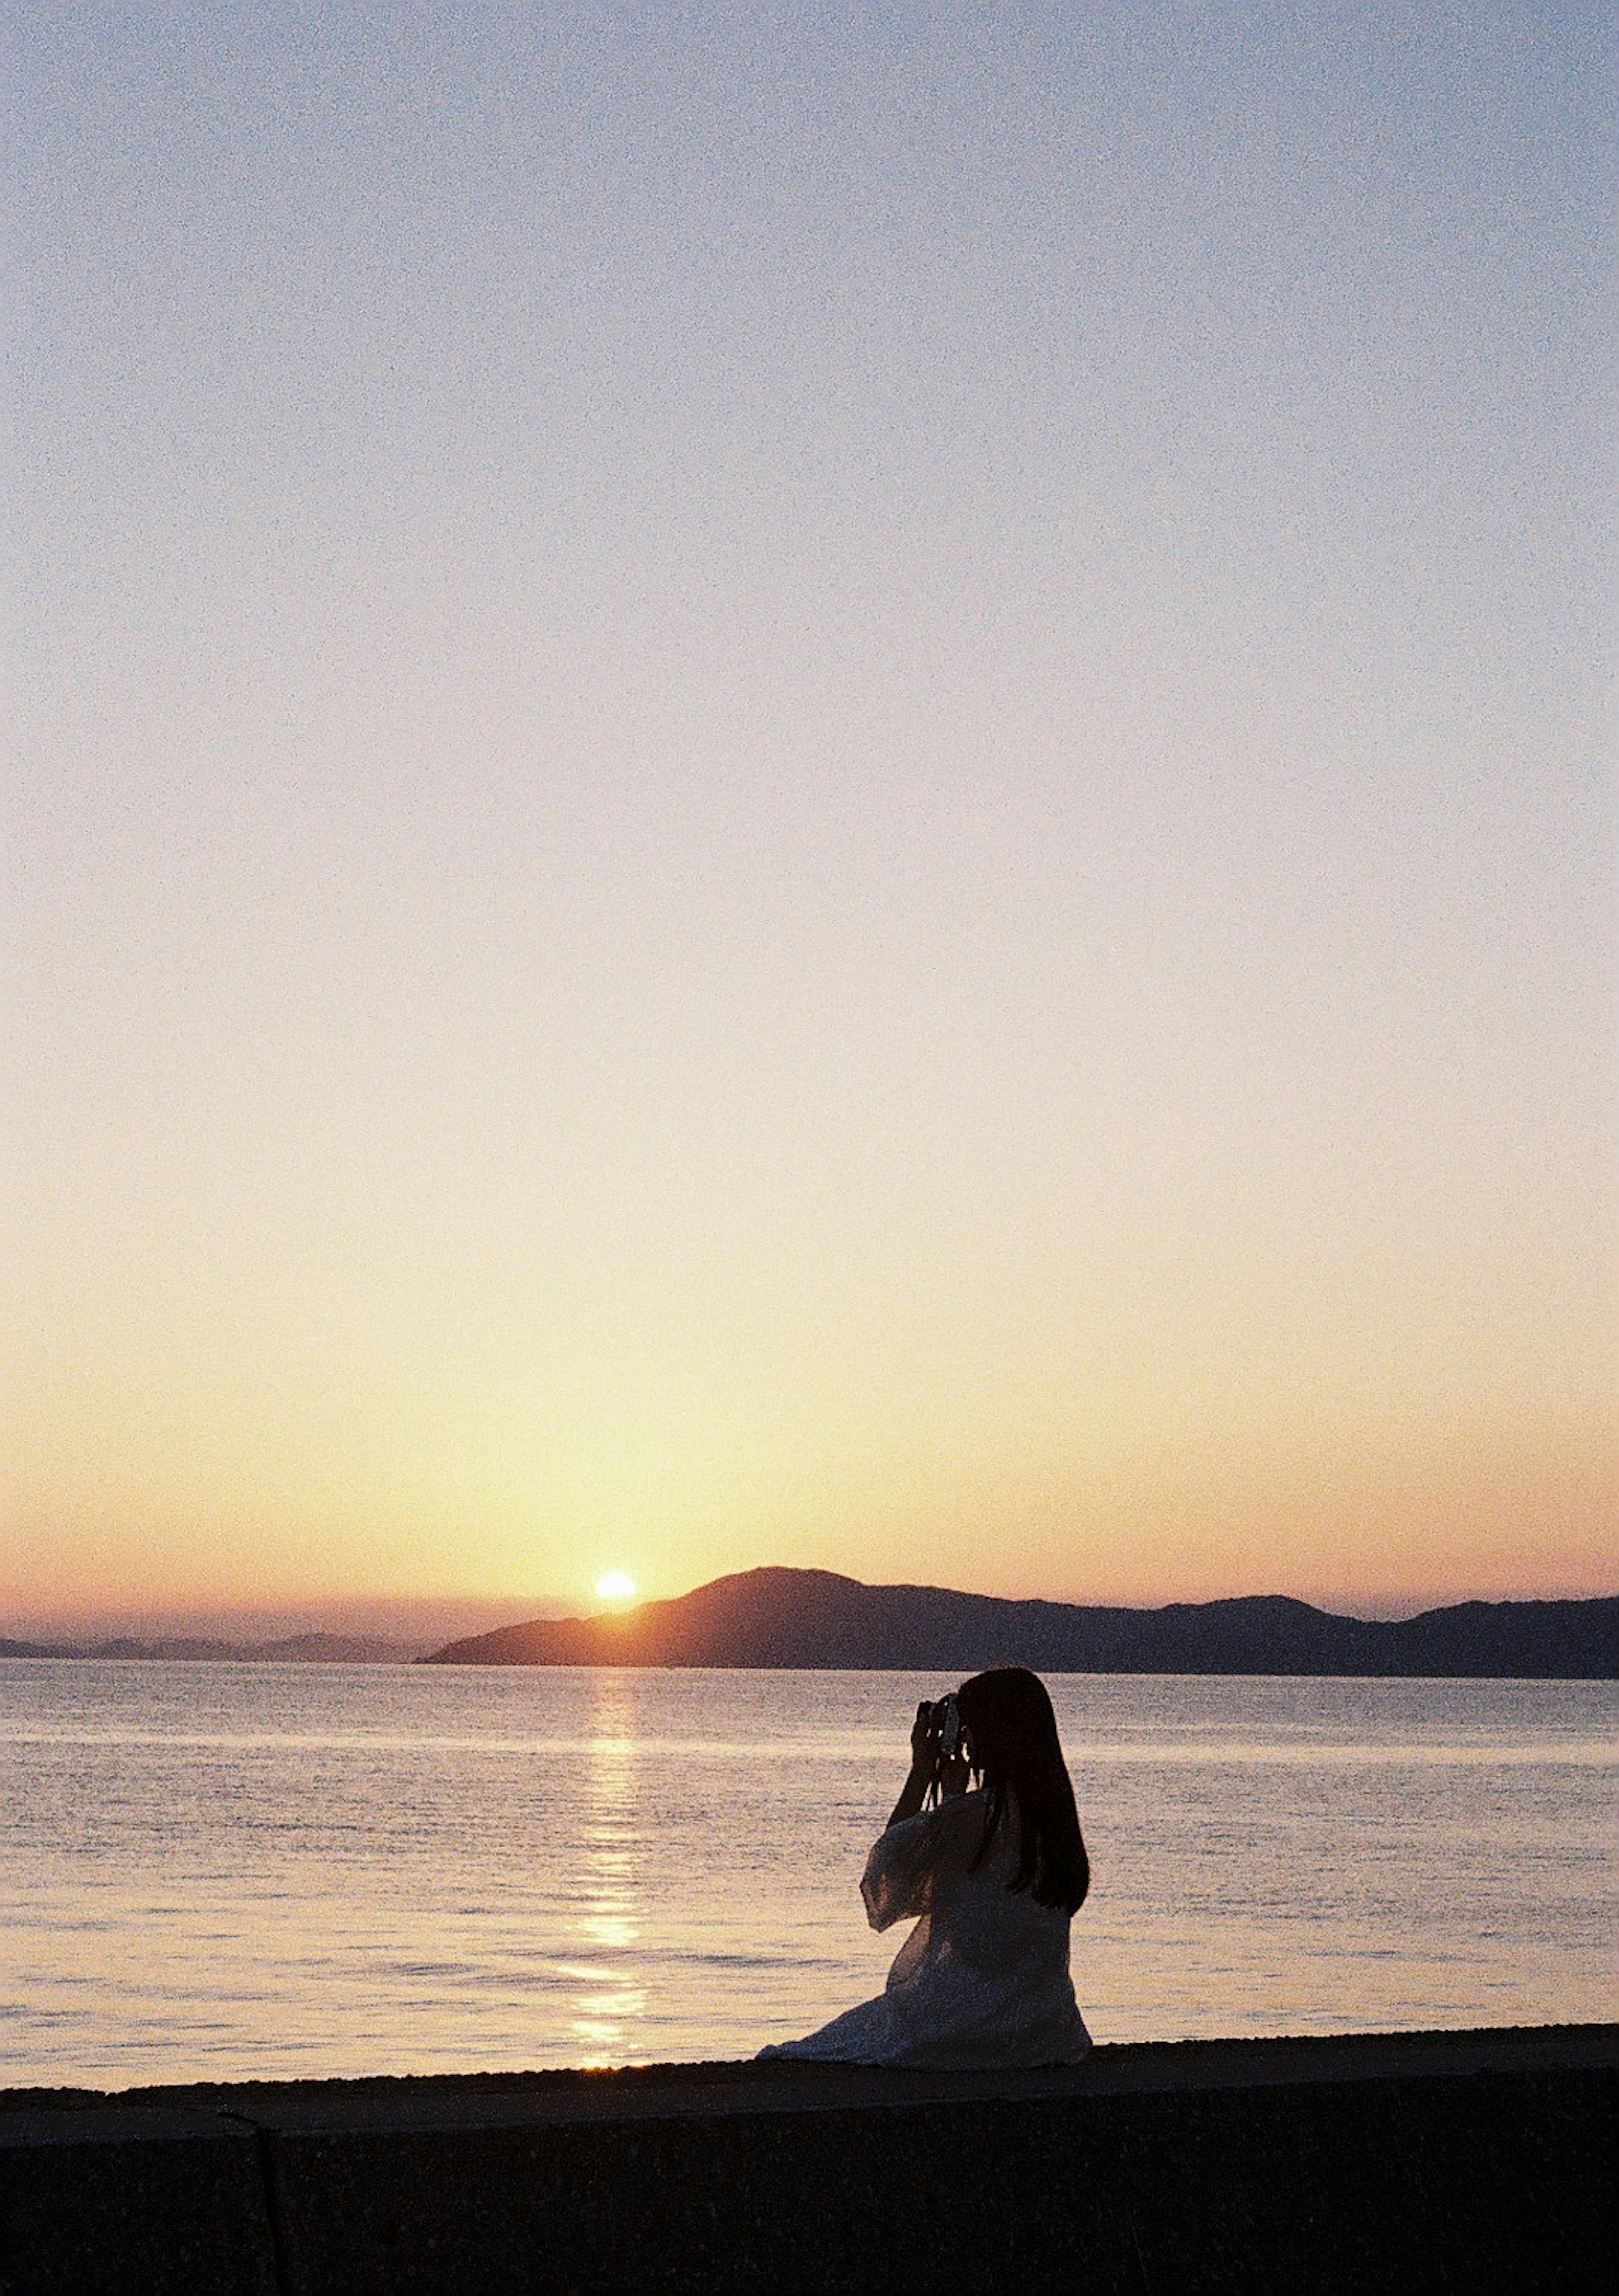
<point>1012,1742</point>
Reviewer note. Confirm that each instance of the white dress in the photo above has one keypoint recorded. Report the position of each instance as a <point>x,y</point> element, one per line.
<point>982,1981</point>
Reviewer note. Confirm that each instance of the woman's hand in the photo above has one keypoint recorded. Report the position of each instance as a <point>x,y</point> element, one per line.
<point>953,1776</point>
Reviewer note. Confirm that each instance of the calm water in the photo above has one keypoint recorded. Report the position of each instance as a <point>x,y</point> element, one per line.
<point>227,1870</point>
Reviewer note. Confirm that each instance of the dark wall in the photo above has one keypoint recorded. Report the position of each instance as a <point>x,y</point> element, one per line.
<point>1464,2162</point>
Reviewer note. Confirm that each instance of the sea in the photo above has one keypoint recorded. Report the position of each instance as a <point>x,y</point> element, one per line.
<point>221,1871</point>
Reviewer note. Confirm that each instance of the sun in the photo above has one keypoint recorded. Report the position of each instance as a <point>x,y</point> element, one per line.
<point>614,1586</point>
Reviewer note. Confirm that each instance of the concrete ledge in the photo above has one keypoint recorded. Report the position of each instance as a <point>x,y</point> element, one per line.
<point>1463,2161</point>
<point>97,2202</point>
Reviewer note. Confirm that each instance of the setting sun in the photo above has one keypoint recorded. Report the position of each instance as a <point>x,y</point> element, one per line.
<point>614,1586</point>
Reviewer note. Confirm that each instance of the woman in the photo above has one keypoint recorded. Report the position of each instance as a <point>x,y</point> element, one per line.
<point>995,1873</point>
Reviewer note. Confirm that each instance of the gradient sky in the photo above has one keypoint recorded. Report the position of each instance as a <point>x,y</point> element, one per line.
<point>822,784</point>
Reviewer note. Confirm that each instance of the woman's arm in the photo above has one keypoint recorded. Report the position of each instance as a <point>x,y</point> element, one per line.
<point>924,1761</point>
<point>912,1795</point>
<point>926,1769</point>
<point>917,1853</point>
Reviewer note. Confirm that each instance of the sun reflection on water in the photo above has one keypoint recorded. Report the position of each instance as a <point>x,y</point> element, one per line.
<point>609,1997</point>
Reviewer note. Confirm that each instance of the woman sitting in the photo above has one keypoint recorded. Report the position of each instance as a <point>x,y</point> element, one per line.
<point>995,1870</point>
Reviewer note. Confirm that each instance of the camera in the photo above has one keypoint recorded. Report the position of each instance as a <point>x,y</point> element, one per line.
<point>943,1717</point>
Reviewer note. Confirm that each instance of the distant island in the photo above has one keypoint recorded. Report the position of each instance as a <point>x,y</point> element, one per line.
<point>784,1618</point>
<point>310,1650</point>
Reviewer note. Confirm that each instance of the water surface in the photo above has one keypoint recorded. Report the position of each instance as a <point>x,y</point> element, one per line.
<point>220,1871</point>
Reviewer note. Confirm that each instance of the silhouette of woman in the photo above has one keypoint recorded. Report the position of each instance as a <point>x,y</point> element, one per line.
<point>993,1872</point>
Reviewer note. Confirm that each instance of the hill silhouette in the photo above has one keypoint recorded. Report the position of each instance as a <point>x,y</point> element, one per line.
<point>785,1617</point>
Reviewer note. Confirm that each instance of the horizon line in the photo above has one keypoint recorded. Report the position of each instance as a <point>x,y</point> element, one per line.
<point>371,1617</point>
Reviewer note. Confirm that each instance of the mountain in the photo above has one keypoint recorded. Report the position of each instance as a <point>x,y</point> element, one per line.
<point>781,1618</point>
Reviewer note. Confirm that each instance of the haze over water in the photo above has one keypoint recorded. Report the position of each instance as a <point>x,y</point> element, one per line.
<point>223,1871</point>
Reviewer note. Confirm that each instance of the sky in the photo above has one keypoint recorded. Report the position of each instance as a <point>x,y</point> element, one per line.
<point>827,785</point>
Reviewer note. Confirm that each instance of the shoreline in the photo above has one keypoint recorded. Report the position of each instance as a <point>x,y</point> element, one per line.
<point>1474,2158</point>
